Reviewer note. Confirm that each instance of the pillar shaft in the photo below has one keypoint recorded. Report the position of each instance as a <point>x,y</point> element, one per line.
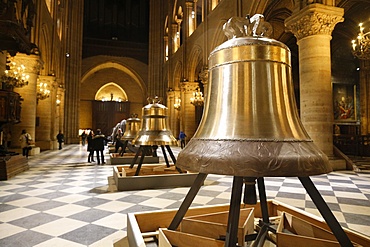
<point>28,93</point>
<point>73,71</point>
<point>45,115</point>
<point>313,26</point>
<point>187,120</point>
<point>364,96</point>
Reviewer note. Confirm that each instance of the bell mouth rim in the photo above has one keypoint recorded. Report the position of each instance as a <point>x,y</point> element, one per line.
<point>253,139</point>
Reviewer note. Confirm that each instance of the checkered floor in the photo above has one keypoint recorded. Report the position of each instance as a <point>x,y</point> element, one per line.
<point>65,201</point>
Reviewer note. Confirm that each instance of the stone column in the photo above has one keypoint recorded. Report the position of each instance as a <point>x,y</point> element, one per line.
<point>312,27</point>
<point>191,19</point>
<point>172,96</point>
<point>175,38</point>
<point>59,114</point>
<point>187,118</point>
<point>364,96</point>
<point>73,71</point>
<point>203,75</point>
<point>33,65</point>
<point>45,116</point>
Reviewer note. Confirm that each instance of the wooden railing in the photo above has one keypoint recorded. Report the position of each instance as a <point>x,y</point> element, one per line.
<point>357,145</point>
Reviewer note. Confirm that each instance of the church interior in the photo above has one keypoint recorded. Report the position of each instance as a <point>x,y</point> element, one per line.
<point>75,66</point>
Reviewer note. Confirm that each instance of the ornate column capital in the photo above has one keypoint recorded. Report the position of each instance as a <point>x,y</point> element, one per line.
<point>203,74</point>
<point>33,63</point>
<point>314,19</point>
<point>189,87</point>
<point>49,79</point>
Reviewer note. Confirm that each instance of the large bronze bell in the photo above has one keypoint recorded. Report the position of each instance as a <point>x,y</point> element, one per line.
<point>154,126</point>
<point>250,128</point>
<point>250,125</point>
<point>132,128</point>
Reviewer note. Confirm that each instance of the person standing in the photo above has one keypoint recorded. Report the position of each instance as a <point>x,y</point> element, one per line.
<point>25,140</point>
<point>182,138</point>
<point>83,138</point>
<point>99,141</point>
<point>60,139</point>
<point>90,147</point>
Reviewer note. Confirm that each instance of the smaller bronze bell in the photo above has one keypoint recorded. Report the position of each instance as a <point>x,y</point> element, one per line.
<point>132,127</point>
<point>154,125</point>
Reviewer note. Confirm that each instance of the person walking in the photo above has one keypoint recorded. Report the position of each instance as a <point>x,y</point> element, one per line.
<point>90,147</point>
<point>60,139</point>
<point>99,141</point>
<point>182,138</point>
<point>25,140</point>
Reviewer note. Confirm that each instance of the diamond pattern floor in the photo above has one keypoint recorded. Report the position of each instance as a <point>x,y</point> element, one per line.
<point>65,201</point>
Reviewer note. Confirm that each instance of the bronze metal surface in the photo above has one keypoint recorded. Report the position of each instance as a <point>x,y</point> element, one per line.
<point>250,124</point>
<point>131,129</point>
<point>154,127</point>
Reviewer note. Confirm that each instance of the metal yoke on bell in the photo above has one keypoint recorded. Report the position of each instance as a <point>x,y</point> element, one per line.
<point>250,125</point>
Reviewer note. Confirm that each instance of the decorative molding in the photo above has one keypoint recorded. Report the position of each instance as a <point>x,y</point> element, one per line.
<point>33,63</point>
<point>189,87</point>
<point>315,19</point>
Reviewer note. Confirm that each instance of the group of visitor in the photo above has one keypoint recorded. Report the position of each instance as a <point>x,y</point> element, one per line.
<point>96,143</point>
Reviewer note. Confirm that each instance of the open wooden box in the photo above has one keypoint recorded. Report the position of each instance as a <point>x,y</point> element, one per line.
<point>292,229</point>
<point>151,176</point>
<point>214,225</point>
<point>143,227</point>
<point>117,159</point>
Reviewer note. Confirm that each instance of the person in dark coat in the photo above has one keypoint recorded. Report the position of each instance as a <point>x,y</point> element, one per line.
<point>60,139</point>
<point>99,141</point>
<point>90,147</point>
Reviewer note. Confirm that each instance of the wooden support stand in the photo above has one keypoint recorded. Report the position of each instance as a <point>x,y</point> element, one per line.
<point>145,149</point>
<point>231,233</point>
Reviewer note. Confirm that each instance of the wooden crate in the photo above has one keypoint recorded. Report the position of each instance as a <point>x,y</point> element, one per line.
<point>214,225</point>
<point>117,159</point>
<point>151,176</point>
<point>145,225</point>
<point>12,165</point>
<point>292,229</point>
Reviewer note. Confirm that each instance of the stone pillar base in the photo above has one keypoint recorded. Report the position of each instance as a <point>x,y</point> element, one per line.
<point>34,151</point>
<point>45,145</point>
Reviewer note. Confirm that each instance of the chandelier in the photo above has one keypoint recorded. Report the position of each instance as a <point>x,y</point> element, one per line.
<point>197,98</point>
<point>43,91</point>
<point>361,46</point>
<point>14,76</point>
<point>177,104</point>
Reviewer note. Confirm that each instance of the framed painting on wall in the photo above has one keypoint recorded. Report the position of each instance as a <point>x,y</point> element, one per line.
<point>344,99</point>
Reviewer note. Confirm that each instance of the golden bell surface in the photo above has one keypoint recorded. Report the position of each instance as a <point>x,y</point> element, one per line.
<point>154,127</point>
<point>132,128</point>
<point>250,125</point>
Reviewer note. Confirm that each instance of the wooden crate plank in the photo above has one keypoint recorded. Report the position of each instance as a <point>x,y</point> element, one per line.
<point>174,238</point>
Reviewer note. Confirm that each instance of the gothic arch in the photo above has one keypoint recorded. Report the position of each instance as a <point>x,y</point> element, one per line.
<point>45,49</point>
<point>194,60</point>
<point>111,91</point>
<point>177,75</point>
<point>219,37</point>
<point>138,80</point>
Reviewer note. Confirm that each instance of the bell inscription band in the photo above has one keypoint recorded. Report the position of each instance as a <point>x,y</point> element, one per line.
<point>250,127</point>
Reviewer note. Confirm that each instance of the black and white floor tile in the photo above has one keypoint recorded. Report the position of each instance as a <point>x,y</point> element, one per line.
<point>64,201</point>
